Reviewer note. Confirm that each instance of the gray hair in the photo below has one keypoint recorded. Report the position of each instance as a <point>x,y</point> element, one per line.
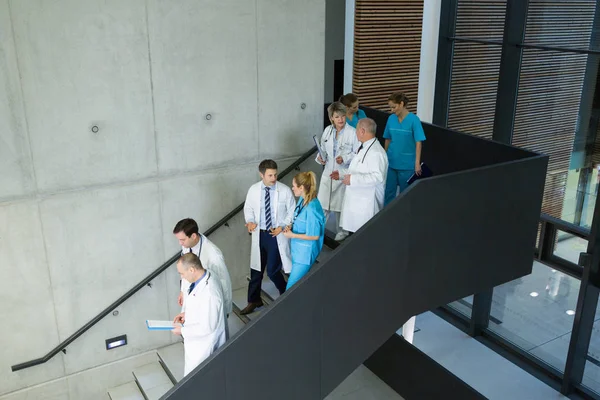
<point>190,260</point>
<point>336,107</point>
<point>368,124</point>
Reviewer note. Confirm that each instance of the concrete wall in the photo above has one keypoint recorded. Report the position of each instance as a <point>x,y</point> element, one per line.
<point>335,17</point>
<point>85,215</point>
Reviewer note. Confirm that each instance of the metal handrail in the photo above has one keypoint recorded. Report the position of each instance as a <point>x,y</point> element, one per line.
<point>565,226</point>
<point>62,346</point>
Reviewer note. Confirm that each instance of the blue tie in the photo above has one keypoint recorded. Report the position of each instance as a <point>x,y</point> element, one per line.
<point>192,286</point>
<point>268,223</point>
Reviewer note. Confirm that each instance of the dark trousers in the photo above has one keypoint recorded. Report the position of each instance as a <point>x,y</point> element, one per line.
<point>271,260</point>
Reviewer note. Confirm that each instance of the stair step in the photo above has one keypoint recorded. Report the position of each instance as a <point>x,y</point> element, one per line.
<point>235,324</point>
<point>240,297</point>
<point>173,358</point>
<point>153,380</point>
<point>127,391</point>
<point>269,287</point>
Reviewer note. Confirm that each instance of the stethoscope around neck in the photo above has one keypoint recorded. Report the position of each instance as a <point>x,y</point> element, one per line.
<point>368,148</point>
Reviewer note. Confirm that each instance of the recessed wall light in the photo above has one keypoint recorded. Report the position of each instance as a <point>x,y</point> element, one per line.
<point>570,312</point>
<point>534,294</point>
<point>115,342</point>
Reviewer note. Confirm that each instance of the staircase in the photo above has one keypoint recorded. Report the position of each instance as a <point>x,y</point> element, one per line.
<point>151,381</point>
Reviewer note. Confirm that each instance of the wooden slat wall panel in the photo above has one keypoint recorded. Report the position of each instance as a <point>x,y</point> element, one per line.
<point>476,67</point>
<point>387,48</point>
<point>550,88</point>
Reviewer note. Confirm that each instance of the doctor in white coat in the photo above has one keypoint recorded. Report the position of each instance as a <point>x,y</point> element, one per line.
<point>211,257</point>
<point>269,208</point>
<point>203,318</point>
<point>364,179</point>
<point>339,142</point>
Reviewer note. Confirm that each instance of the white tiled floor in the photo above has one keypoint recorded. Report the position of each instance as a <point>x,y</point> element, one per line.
<point>362,384</point>
<point>480,367</point>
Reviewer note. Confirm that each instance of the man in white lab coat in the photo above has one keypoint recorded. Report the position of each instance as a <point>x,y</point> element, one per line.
<point>203,317</point>
<point>269,208</point>
<point>364,178</point>
<point>191,241</point>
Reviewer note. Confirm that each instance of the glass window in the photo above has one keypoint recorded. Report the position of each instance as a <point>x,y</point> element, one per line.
<point>560,23</point>
<point>591,376</point>
<point>551,118</point>
<point>536,313</point>
<point>569,247</point>
<point>464,306</point>
<point>476,67</point>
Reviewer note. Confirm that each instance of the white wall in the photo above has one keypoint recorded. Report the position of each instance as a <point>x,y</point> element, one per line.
<point>83,215</point>
<point>335,16</point>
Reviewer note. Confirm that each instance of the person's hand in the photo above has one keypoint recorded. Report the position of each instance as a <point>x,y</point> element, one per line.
<point>180,299</point>
<point>346,180</point>
<point>177,330</point>
<point>287,228</point>
<point>179,319</point>
<point>320,160</point>
<point>276,231</point>
<point>335,175</point>
<point>418,170</point>
<point>288,234</point>
<point>251,227</point>
<point>339,159</point>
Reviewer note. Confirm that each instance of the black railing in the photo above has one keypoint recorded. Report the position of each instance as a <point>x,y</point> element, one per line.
<point>63,345</point>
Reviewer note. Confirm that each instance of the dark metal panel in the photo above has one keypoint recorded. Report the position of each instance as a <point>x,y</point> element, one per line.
<point>510,68</point>
<point>357,321</point>
<point>188,388</point>
<point>414,375</point>
<point>278,356</point>
<point>443,72</point>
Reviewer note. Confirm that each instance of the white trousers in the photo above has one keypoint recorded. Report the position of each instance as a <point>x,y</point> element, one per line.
<point>338,217</point>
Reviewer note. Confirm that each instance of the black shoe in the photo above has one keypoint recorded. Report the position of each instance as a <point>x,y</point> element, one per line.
<point>251,307</point>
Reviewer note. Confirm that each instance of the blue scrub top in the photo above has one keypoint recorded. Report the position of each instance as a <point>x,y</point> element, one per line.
<point>309,220</point>
<point>402,152</point>
<point>355,117</point>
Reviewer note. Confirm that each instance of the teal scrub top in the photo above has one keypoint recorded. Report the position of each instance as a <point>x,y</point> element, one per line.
<point>402,152</point>
<point>355,117</point>
<point>309,220</point>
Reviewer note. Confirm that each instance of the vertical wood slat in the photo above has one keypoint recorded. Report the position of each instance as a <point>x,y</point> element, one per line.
<point>387,49</point>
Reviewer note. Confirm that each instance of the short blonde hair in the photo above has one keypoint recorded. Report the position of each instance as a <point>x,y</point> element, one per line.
<point>336,107</point>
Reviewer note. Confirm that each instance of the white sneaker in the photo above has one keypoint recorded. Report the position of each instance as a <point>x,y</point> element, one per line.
<point>341,236</point>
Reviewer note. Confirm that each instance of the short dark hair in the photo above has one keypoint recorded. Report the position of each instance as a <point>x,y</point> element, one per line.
<point>190,260</point>
<point>265,165</point>
<point>187,226</point>
<point>399,98</point>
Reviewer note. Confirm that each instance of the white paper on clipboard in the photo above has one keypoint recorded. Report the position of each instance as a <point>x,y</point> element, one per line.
<point>322,153</point>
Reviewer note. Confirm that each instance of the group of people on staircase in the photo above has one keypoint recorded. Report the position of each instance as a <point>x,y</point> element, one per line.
<point>359,177</point>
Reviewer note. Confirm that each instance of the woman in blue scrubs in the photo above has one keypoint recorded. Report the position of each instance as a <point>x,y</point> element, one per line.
<point>403,136</point>
<point>353,113</point>
<point>308,229</point>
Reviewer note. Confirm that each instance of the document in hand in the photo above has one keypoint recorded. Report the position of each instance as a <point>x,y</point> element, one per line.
<point>156,325</point>
<point>322,152</point>
<point>425,173</point>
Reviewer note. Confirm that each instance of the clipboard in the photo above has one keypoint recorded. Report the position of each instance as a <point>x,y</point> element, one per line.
<point>320,149</point>
<point>425,173</point>
<point>156,325</point>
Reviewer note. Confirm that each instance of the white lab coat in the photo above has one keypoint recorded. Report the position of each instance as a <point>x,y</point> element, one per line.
<point>281,215</point>
<point>204,328</point>
<point>331,192</point>
<point>364,196</point>
<point>212,259</point>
